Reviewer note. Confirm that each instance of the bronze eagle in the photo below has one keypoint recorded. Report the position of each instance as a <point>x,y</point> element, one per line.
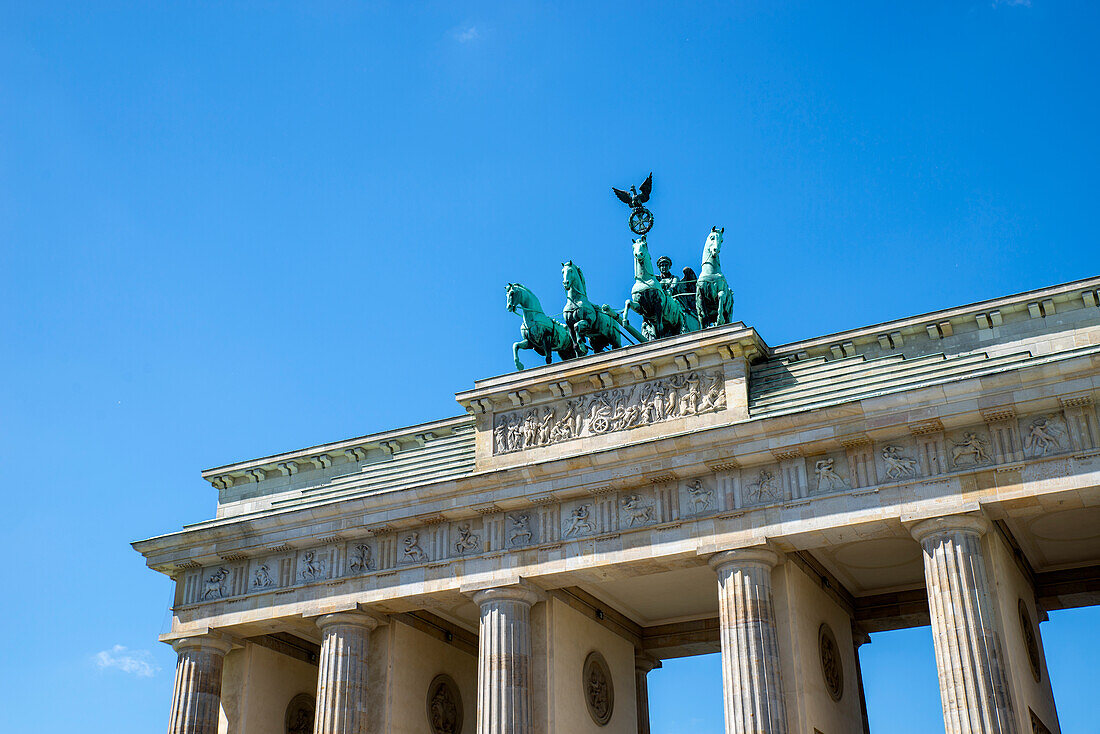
<point>637,195</point>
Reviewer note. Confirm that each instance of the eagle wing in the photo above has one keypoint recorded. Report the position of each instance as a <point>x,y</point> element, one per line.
<point>646,187</point>
<point>624,196</point>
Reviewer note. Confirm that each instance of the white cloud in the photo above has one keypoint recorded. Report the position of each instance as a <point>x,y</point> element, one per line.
<point>138,662</point>
<point>466,33</point>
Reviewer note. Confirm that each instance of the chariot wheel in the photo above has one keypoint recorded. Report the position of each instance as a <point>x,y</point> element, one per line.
<point>600,424</point>
<point>641,220</point>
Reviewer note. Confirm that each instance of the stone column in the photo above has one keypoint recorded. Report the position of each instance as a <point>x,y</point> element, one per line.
<point>504,661</point>
<point>751,681</point>
<point>342,675</point>
<point>642,665</point>
<point>196,698</point>
<point>973,680</point>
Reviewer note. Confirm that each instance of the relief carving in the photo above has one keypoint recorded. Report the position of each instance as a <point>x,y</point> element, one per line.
<point>764,489</point>
<point>701,497</point>
<point>598,691</point>
<point>607,411</point>
<point>413,551</point>
<point>262,578</point>
<point>638,510</point>
<point>1042,436</point>
<point>214,586</point>
<point>827,478</point>
<point>444,706</point>
<point>299,714</point>
<point>314,568</point>
<point>898,466</point>
<point>467,541</point>
<point>831,667</point>
<point>521,529</point>
<point>972,449</point>
<point>361,561</point>
<point>579,522</point>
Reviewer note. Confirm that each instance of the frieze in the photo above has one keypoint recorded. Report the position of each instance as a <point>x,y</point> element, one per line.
<point>607,411</point>
<point>607,513</point>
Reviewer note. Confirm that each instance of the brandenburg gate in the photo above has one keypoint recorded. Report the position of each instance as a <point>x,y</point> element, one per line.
<point>519,569</point>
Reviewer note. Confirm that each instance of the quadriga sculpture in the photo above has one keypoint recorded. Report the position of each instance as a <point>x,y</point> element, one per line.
<point>713,297</point>
<point>539,331</point>
<point>662,314</point>
<point>584,319</point>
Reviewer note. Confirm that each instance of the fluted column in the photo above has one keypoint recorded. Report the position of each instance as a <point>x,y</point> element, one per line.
<point>973,680</point>
<point>504,661</point>
<point>751,682</point>
<point>196,697</point>
<point>342,675</point>
<point>642,665</point>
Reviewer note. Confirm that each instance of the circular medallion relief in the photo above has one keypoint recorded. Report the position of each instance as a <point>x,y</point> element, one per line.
<point>299,714</point>
<point>599,694</point>
<point>1030,642</point>
<point>444,706</point>
<point>831,668</point>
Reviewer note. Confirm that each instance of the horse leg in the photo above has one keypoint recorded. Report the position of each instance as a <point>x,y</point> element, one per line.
<point>579,330</point>
<point>699,305</point>
<point>515,352</point>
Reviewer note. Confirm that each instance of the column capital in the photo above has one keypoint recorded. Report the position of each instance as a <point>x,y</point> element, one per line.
<point>505,593</point>
<point>643,663</point>
<point>756,556</point>
<point>348,619</point>
<point>972,524</point>
<point>211,643</point>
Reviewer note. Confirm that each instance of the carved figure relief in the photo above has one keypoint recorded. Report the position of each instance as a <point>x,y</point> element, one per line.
<point>972,449</point>
<point>467,541</point>
<point>764,489</point>
<point>701,497</point>
<point>361,560</point>
<point>831,667</point>
<point>262,578</point>
<point>599,693</point>
<point>827,478</point>
<point>521,529</point>
<point>579,522</point>
<point>444,706</point>
<point>637,509</point>
<point>214,586</point>
<point>1042,436</point>
<point>897,466</point>
<point>299,714</point>
<point>1030,642</point>
<point>313,568</point>
<point>612,410</point>
<point>412,549</point>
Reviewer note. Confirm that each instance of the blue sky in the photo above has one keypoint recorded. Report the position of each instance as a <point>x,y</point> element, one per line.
<point>232,229</point>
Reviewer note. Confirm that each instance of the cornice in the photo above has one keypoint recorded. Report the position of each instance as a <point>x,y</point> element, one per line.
<point>603,370</point>
<point>324,455</point>
<point>941,324</point>
<point>746,444</point>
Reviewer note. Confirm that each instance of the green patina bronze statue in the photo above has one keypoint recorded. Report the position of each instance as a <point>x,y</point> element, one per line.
<point>539,331</point>
<point>713,297</point>
<point>667,304</point>
<point>661,313</point>
<point>599,325</point>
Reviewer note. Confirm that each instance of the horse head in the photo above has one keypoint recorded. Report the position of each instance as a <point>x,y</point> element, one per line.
<point>520,297</point>
<point>643,263</point>
<point>713,245</point>
<point>572,278</point>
